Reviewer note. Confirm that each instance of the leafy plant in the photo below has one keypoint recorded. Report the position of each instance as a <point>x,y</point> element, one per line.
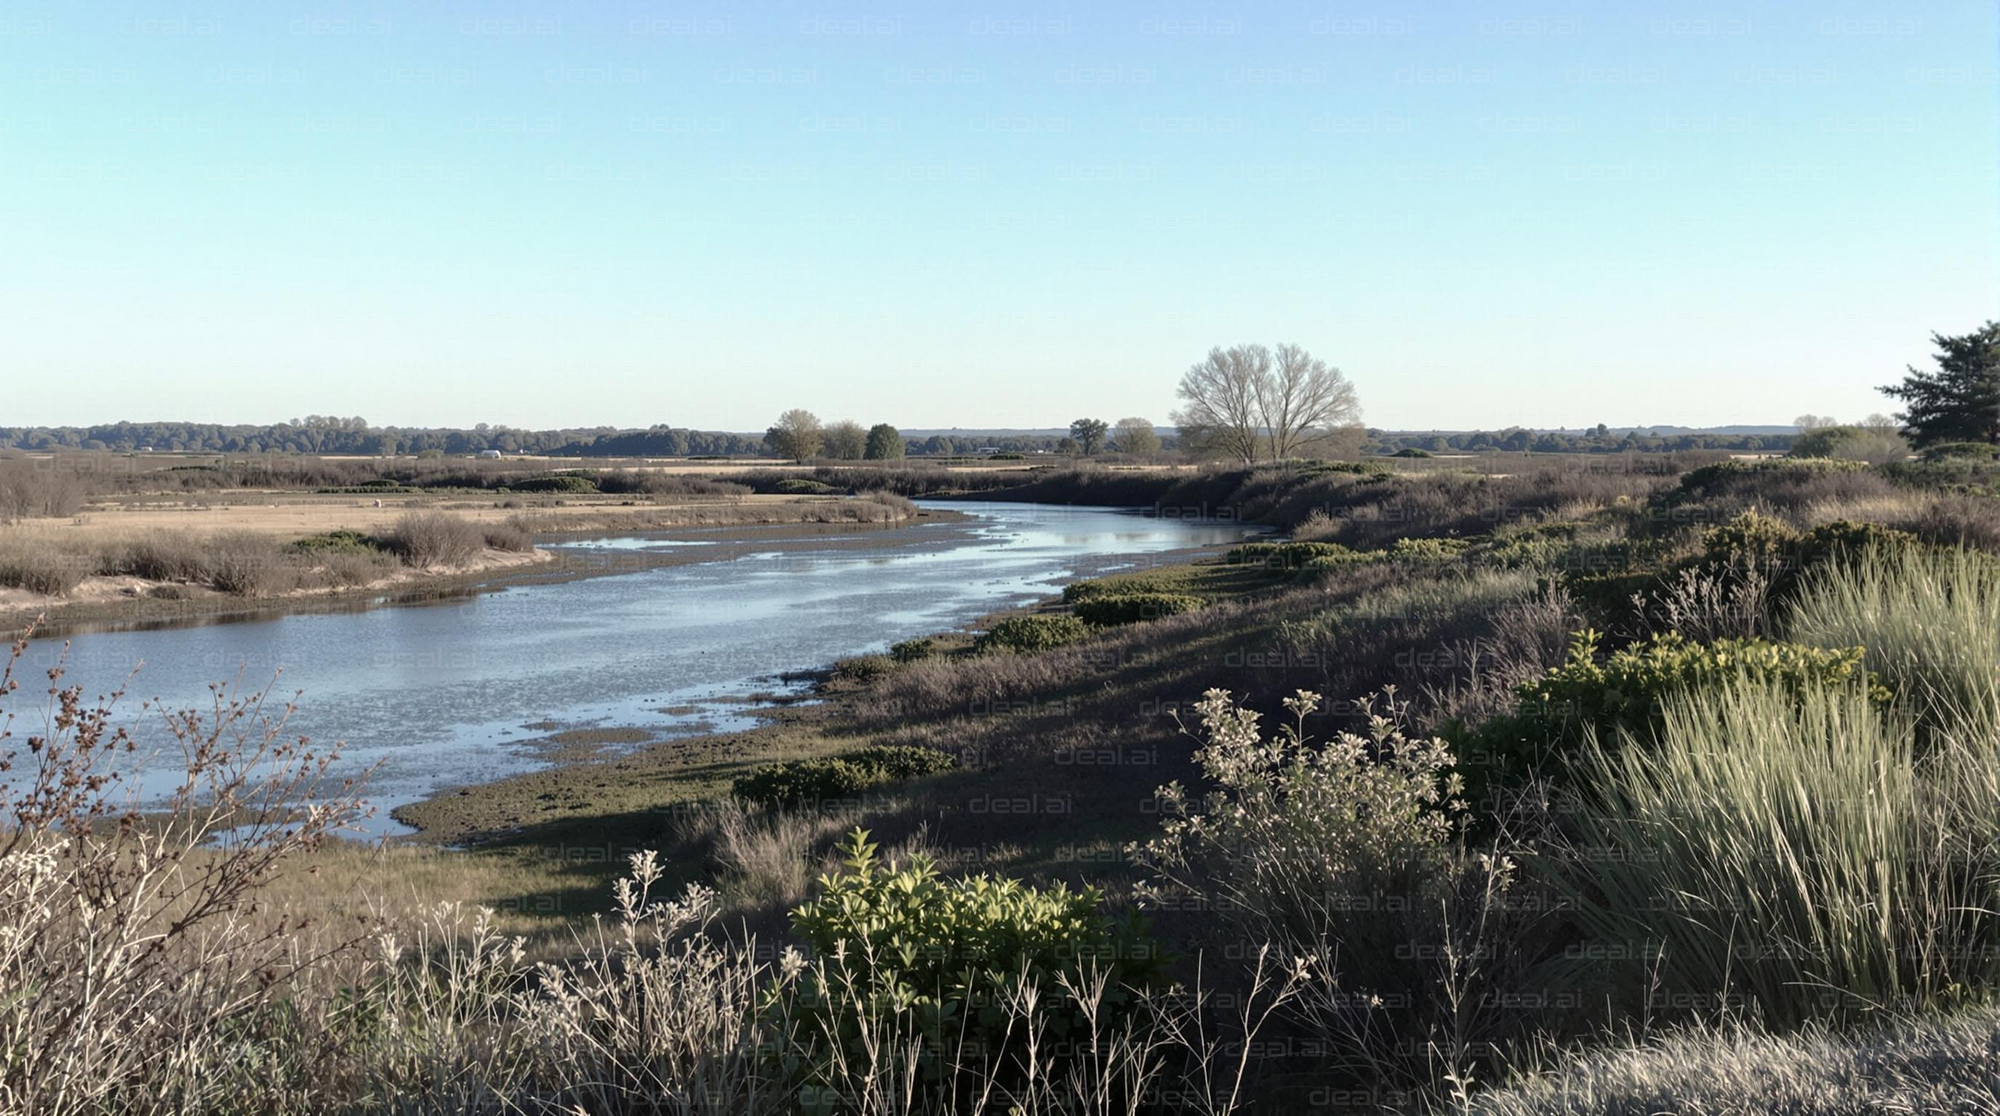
<point>1029,634</point>
<point>1130,608</point>
<point>1621,695</point>
<point>826,779</point>
<point>949,956</point>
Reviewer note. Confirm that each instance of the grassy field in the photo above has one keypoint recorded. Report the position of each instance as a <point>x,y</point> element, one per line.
<point>1590,804</point>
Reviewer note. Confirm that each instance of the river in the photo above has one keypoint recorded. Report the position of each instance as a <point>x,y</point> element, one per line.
<point>462,691</point>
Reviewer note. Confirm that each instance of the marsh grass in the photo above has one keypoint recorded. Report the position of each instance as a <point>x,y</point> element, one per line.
<point>1790,854</point>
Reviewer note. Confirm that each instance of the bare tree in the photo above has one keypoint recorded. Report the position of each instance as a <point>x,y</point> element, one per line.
<point>1243,402</point>
<point>846,440</point>
<point>1136,437</point>
<point>1220,417</point>
<point>1302,401</point>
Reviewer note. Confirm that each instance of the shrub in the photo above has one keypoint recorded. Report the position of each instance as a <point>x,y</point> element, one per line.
<point>1028,634</point>
<point>249,564</point>
<point>1412,451</point>
<point>802,486</point>
<point>1346,858</point>
<point>1851,443</point>
<point>1623,693</point>
<point>1724,476</point>
<point>1973,451</point>
<point>1290,555</point>
<point>948,955</point>
<point>864,668</point>
<point>167,556</point>
<point>1428,550</point>
<point>1131,608</point>
<point>336,542</point>
<point>913,650</point>
<point>434,538</point>
<point>562,483</point>
<point>39,567</point>
<point>1797,846</point>
<point>827,779</point>
<point>507,536</point>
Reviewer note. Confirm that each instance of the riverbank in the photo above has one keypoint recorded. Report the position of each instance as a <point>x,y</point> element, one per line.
<point>137,564</point>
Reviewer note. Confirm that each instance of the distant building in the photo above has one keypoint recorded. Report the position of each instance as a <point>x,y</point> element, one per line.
<point>489,453</point>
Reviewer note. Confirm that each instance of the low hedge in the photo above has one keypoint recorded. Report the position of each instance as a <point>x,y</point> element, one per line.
<point>810,782</point>
<point>1032,633</point>
<point>1130,608</point>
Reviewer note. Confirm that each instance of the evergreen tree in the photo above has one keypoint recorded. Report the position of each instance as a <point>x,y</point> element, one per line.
<point>1960,401</point>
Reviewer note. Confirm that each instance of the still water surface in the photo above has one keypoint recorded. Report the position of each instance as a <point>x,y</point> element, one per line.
<point>453,693</point>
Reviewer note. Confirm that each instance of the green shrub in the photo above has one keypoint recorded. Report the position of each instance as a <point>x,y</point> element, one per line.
<point>1623,693</point>
<point>814,782</point>
<point>1291,555</point>
<point>1428,550</point>
<point>803,486</point>
<point>945,957</point>
<point>1961,451</point>
<point>864,668</point>
<point>1133,607</point>
<point>1723,475</point>
<point>1028,634</point>
<point>571,483</point>
<point>913,650</point>
<point>1412,451</point>
<point>337,542</point>
<point>1851,443</point>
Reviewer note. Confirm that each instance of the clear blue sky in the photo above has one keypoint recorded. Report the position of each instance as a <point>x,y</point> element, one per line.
<point>939,214</point>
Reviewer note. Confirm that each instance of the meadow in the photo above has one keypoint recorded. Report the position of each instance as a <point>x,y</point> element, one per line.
<point>1627,784</point>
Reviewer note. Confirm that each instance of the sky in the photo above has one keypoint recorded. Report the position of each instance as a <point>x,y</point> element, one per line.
<point>984,215</point>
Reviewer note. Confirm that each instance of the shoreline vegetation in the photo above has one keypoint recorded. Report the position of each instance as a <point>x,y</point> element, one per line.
<point>1361,799</point>
<point>113,562</point>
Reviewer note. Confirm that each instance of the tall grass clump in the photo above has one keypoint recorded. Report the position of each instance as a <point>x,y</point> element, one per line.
<point>1791,853</point>
<point>1930,621</point>
<point>435,538</point>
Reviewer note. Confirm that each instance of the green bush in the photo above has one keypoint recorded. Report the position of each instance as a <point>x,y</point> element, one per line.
<point>864,668</point>
<point>812,782</point>
<point>1131,608</point>
<point>1291,555</point>
<point>1961,451</point>
<point>803,486</point>
<point>944,957</point>
<point>1851,443</point>
<point>913,650</point>
<point>1723,475</point>
<point>337,542</point>
<point>1412,451</point>
<point>1032,633</point>
<point>1428,550</point>
<point>574,483</point>
<point>1623,693</point>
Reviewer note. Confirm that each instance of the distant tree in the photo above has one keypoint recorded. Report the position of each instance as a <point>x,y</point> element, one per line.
<point>1960,401</point>
<point>1136,436</point>
<point>797,435</point>
<point>1248,402</point>
<point>1089,433</point>
<point>846,441</point>
<point>1811,421</point>
<point>1068,446</point>
<point>940,445</point>
<point>885,443</point>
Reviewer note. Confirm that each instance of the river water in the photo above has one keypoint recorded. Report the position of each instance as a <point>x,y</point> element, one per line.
<point>457,692</point>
